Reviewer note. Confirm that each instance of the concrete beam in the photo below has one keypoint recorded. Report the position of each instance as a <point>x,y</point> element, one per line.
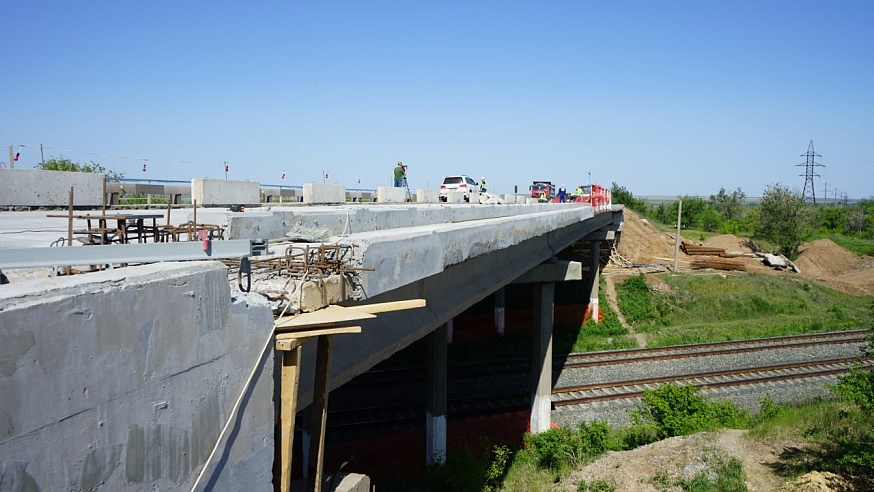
<point>560,271</point>
<point>447,292</point>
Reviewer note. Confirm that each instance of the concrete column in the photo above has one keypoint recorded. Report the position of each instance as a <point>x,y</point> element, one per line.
<point>500,301</point>
<point>449,331</point>
<point>594,275</point>
<point>435,423</point>
<point>541,363</point>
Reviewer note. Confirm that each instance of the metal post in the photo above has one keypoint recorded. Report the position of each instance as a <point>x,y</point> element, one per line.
<point>11,158</point>
<point>677,239</point>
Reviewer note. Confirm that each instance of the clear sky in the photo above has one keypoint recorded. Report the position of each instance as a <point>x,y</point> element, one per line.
<point>664,97</point>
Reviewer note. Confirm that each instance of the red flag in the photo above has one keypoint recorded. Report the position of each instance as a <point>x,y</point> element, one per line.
<point>16,156</point>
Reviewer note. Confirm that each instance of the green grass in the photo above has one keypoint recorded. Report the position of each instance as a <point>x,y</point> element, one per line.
<point>698,308</point>
<point>856,245</point>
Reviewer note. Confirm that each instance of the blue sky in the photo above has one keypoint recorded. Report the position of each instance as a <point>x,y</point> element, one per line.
<point>662,97</point>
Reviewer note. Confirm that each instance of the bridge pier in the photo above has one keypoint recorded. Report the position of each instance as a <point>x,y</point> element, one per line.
<point>594,275</point>
<point>541,362</point>
<point>500,303</point>
<point>435,423</point>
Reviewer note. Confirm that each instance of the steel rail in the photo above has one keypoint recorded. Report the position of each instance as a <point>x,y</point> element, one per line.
<point>712,385</point>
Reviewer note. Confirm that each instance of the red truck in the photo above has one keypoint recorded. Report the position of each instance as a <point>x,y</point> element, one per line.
<point>543,190</point>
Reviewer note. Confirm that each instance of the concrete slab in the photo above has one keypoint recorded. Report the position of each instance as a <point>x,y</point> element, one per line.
<point>218,192</point>
<point>35,188</point>
<point>324,193</point>
<point>391,194</point>
<point>427,196</point>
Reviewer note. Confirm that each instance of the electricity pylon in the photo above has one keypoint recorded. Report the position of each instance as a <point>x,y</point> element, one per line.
<point>809,172</point>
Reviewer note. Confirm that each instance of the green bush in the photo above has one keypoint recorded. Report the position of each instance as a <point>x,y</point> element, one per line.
<point>679,410</point>
<point>555,448</point>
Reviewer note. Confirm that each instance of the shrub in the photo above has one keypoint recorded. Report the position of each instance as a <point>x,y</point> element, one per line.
<point>678,410</point>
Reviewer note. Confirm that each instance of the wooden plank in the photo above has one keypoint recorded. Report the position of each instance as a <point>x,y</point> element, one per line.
<point>320,412</point>
<point>288,386</point>
<point>288,344</point>
<point>314,332</point>
<point>331,315</point>
<point>384,307</point>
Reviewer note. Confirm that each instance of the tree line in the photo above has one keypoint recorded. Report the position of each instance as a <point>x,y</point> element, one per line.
<point>782,217</point>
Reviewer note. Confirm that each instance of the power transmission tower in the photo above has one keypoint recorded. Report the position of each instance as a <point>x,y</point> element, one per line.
<point>809,172</point>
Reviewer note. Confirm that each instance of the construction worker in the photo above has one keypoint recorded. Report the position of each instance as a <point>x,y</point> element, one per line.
<point>561,194</point>
<point>482,184</point>
<point>579,191</point>
<point>400,172</point>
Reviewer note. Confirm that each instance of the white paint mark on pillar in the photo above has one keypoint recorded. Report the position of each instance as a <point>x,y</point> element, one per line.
<point>540,413</point>
<point>435,445</point>
<point>499,320</point>
<point>594,309</point>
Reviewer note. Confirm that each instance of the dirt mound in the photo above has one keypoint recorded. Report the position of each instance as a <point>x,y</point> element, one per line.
<point>641,243</point>
<point>824,258</point>
<point>818,482</point>
<point>681,457</point>
<point>730,243</point>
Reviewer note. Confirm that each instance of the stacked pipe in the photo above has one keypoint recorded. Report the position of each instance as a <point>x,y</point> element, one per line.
<point>717,264</point>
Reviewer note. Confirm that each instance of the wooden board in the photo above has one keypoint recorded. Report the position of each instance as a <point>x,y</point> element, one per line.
<point>331,315</point>
<point>281,338</point>
<point>384,307</point>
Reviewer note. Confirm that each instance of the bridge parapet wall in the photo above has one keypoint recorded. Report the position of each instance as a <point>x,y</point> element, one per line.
<point>123,379</point>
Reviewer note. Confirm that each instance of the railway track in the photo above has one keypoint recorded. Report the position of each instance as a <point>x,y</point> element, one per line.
<point>483,388</point>
<point>576,395</point>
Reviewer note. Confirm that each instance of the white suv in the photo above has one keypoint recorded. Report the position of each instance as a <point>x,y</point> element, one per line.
<point>461,182</point>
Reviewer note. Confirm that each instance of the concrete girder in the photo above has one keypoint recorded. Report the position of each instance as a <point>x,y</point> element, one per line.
<point>447,293</point>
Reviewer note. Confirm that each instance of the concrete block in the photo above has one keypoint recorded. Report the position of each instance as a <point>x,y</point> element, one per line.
<point>474,197</point>
<point>353,482</point>
<point>509,198</point>
<point>390,194</point>
<point>324,193</point>
<point>219,192</point>
<point>122,380</point>
<point>521,199</point>
<point>455,197</point>
<point>531,199</point>
<point>35,188</point>
<point>319,294</point>
<point>427,196</point>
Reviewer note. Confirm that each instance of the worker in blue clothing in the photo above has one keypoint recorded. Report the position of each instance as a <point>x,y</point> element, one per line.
<point>562,193</point>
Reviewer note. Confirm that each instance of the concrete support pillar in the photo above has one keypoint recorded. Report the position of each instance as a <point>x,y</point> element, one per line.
<point>500,301</point>
<point>594,275</point>
<point>435,423</point>
<point>541,363</point>
<point>449,331</point>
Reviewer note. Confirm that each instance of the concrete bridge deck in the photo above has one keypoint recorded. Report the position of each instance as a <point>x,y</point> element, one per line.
<point>451,256</point>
